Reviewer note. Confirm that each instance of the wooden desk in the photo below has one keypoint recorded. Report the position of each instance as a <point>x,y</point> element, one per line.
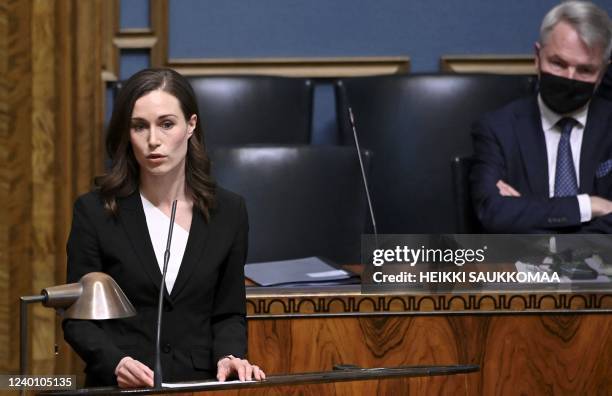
<point>533,343</point>
<point>305,383</point>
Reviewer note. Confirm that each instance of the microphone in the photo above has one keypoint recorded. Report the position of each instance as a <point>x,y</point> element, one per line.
<point>363,173</point>
<point>157,372</point>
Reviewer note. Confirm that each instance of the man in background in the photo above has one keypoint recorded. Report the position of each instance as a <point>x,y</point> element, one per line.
<point>544,163</point>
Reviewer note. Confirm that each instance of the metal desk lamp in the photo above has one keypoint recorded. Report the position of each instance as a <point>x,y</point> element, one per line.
<point>96,296</point>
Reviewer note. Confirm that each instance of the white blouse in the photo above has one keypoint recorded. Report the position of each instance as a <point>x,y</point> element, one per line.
<point>158,224</point>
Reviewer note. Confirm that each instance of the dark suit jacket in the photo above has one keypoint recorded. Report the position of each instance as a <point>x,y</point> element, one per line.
<point>204,316</point>
<point>605,88</point>
<point>509,144</point>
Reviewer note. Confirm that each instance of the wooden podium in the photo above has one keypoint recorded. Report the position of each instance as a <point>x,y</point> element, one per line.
<point>537,342</point>
<point>303,384</point>
<point>525,342</point>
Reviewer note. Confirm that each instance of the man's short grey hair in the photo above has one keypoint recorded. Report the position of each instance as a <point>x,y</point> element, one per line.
<point>591,22</point>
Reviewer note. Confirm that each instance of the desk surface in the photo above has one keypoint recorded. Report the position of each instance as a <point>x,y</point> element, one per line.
<point>349,300</point>
<point>292,379</point>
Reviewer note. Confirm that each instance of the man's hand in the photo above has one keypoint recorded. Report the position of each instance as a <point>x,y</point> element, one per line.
<point>600,206</point>
<point>245,370</point>
<point>506,190</point>
<point>133,374</point>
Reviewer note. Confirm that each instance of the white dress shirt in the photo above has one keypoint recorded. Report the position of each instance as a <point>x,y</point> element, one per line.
<point>158,224</point>
<point>552,135</point>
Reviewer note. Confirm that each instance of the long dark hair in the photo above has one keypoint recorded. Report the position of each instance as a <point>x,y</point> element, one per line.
<point>123,177</point>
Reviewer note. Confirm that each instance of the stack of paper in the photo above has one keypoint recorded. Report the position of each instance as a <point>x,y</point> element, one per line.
<point>304,271</point>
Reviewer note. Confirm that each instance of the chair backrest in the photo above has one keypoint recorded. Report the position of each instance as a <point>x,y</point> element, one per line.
<point>237,110</point>
<point>467,221</point>
<point>302,200</point>
<point>415,124</point>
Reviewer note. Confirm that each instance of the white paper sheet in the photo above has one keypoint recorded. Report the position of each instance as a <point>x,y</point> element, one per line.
<point>199,383</point>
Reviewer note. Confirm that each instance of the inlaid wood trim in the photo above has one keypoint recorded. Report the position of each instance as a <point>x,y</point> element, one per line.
<point>294,67</point>
<point>134,41</point>
<point>498,303</point>
<point>499,64</point>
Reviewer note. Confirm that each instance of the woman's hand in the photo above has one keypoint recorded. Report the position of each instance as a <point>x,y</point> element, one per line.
<point>133,374</point>
<point>246,371</point>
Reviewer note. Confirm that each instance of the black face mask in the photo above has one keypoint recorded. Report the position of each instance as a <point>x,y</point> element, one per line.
<point>563,95</point>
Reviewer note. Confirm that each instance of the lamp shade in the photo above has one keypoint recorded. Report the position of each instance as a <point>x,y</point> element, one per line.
<point>95,296</point>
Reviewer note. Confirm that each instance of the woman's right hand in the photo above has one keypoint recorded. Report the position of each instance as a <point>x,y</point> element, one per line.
<point>133,374</point>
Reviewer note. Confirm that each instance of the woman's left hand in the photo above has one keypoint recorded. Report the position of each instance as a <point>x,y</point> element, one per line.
<point>232,365</point>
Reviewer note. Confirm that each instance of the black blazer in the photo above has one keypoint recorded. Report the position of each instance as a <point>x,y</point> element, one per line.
<point>204,316</point>
<point>605,88</point>
<point>509,144</point>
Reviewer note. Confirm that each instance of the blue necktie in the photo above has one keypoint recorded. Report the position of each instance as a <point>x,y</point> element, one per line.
<point>565,176</point>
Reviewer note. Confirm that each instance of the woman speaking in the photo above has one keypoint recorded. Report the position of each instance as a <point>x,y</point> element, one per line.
<point>157,154</point>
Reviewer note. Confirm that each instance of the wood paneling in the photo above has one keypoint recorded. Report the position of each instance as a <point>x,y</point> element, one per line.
<point>80,31</point>
<point>51,106</point>
<point>159,26</point>
<point>518,353</point>
<point>294,67</point>
<point>500,64</point>
<point>5,318</point>
<point>110,28</point>
<point>88,140</point>
<point>525,343</point>
<point>43,179</point>
<point>348,300</point>
<point>19,167</point>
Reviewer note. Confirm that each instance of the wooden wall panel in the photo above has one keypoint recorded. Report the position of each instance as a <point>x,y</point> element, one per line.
<point>551,354</point>
<point>109,29</point>
<point>43,180</point>
<point>51,109</point>
<point>316,344</point>
<point>80,108</point>
<point>19,165</point>
<point>159,27</point>
<point>500,64</point>
<point>518,353</point>
<point>4,190</point>
<point>88,140</point>
<point>65,166</point>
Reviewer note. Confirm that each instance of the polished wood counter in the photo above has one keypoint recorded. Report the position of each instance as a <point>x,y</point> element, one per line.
<point>279,384</point>
<point>541,341</point>
<point>526,342</point>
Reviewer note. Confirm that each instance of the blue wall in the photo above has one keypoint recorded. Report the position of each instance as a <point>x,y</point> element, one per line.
<point>422,30</point>
<point>134,14</point>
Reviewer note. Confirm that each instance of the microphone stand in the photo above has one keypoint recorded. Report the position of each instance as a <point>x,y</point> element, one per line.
<point>157,372</point>
<point>363,174</point>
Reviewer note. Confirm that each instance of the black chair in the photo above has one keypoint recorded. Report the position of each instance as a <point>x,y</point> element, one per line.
<point>237,110</point>
<point>416,124</point>
<point>302,200</point>
<point>467,221</point>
